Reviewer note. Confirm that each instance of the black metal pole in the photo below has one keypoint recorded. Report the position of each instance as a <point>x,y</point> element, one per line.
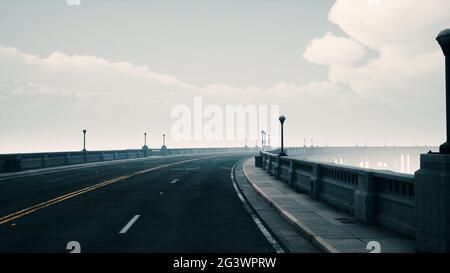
<point>84,140</point>
<point>282,119</point>
<point>443,39</point>
<point>445,148</point>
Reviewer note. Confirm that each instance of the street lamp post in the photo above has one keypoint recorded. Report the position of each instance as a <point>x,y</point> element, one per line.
<point>443,39</point>
<point>432,221</point>
<point>164,142</point>
<point>262,139</point>
<point>268,141</point>
<point>84,140</point>
<point>432,180</point>
<point>282,119</point>
<point>145,147</point>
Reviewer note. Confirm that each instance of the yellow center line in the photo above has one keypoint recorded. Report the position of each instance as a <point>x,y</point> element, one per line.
<point>29,210</point>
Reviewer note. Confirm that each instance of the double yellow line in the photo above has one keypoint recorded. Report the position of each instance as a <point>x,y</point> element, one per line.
<point>29,210</point>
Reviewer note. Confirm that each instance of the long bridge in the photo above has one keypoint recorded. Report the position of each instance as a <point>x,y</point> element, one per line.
<point>298,199</point>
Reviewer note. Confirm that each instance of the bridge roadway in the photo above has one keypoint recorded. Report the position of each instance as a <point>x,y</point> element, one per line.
<point>165,204</point>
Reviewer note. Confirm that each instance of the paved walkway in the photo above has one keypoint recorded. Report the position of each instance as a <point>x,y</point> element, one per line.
<point>328,228</point>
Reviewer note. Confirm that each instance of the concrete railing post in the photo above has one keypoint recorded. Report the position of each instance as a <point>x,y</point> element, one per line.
<point>44,160</point>
<point>259,161</point>
<point>269,164</point>
<point>291,172</point>
<point>432,192</point>
<point>67,161</point>
<point>278,167</point>
<point>365,205</point>
<point>315,181</point>
<point>13,163</point>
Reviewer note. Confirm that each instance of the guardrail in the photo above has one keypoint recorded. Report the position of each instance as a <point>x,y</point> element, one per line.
<point>21,162</point>
<point>373,197</point>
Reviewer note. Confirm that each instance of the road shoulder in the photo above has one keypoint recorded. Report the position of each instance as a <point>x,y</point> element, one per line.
<point>288,237</point>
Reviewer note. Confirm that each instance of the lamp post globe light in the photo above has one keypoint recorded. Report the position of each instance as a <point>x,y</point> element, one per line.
<point>282,119</point>
<point>84,140</point>
<point>443,40</point>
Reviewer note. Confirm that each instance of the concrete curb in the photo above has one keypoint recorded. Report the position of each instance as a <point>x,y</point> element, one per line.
<point>318,241</point>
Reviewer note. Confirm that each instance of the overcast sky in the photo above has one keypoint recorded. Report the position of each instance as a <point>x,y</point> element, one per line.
<point>343,72</point>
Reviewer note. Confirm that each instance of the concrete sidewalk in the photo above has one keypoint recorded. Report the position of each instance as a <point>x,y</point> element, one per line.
<point>328,228</point>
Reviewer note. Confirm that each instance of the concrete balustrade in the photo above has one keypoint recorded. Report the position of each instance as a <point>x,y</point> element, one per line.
<point>21,162</point>
<point>373,197</point>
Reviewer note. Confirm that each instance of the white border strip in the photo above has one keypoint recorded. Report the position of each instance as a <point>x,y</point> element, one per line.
<point>255,218</point>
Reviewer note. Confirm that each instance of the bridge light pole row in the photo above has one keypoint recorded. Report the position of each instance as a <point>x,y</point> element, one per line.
<point>145,147</point>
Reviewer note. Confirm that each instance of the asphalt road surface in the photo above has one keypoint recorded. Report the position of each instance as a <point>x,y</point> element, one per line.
<point>167,204</point>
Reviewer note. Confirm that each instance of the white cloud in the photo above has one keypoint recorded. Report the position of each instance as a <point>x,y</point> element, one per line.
<point>403,67</point>
<point>333,50</point>
<point>402,35</point>
<point>87,68</point>
<point>399,27</point>
<point>60,94</point>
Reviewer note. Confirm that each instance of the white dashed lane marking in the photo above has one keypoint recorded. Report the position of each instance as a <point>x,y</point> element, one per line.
<point>185,169</point>
<point>128,226</point>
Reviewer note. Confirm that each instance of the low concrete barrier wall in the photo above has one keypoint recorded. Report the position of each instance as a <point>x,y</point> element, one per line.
<point>373,197</point>
<point>21,162</point>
